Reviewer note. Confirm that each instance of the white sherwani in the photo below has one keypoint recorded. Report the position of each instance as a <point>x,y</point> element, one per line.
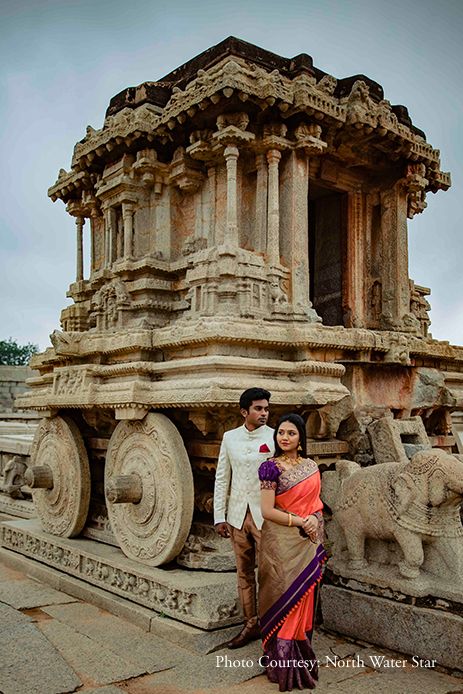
<point>240,457</point>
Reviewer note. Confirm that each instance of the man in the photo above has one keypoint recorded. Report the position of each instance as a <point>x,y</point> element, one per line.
<point>241,453</point>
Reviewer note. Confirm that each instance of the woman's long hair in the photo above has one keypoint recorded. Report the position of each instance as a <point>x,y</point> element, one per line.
<point>299,423</point>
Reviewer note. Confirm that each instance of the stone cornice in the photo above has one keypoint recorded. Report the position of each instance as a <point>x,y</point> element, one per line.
<point>356,111</point>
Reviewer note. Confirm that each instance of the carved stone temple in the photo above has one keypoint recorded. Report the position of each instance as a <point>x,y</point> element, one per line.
<point>246,222</point>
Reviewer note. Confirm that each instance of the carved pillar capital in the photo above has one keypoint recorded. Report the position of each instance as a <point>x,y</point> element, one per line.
<point>273,157</point>
<point>231,152</point>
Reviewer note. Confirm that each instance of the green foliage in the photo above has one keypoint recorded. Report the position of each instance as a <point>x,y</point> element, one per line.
<point>12,354</point>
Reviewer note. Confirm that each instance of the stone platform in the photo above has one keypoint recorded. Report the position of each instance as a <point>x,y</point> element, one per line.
<point>202,599</point>
<point>432,636</point>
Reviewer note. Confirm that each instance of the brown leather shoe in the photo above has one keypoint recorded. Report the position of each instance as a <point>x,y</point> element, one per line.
<point>246,635</point>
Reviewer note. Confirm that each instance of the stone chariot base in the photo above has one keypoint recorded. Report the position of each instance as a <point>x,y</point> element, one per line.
<point>202,599</point>
<point>429,634</point>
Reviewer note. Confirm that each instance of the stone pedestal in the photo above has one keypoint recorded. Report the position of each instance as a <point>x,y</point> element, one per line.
<point>423,632</point>
<point>202,599</point>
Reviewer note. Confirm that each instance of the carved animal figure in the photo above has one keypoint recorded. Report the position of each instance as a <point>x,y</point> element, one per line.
<point>408,502</point>
<point>14,478</point>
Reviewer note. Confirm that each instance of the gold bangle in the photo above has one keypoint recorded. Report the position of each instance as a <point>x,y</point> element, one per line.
<point>290,520</point>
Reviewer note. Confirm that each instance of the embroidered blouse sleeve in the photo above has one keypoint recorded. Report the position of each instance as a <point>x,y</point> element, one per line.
<point>268,475</point>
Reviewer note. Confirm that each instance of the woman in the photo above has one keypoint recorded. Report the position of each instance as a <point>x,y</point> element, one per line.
<point>291,557</point>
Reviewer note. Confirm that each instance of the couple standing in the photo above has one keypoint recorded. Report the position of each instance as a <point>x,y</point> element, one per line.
<point>264,480</point>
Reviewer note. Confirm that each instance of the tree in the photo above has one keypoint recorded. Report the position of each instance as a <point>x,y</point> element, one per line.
<point>12,354</point>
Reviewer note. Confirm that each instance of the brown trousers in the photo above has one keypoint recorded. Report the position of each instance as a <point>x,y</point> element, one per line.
<point>246,545</point>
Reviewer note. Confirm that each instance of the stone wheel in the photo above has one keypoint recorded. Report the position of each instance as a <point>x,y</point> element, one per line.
<point>149,489</point>
<point>60,477</point>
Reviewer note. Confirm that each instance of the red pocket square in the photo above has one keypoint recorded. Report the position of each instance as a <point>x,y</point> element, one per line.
<point>264,448</point>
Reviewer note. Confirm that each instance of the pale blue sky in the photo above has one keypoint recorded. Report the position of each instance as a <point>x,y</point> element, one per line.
<point>61,62</point>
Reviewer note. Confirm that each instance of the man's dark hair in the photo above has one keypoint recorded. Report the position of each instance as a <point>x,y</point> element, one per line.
<point>298,422</point>
<point>251,394</point>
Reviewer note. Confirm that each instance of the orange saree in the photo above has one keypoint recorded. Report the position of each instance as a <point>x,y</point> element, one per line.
<point>290,566</point>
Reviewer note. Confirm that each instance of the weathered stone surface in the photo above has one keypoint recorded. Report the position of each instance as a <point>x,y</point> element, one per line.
<point>211,671</point>
<point>424,633</point>
<point>112,633</point>
<point>387,436</point>
<point>24,651</point>
<point>87,657</point>
<point>27,593</point>
<point>402,681</point>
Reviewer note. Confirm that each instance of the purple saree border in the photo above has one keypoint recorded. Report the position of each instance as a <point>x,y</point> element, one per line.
<point>293,594</point>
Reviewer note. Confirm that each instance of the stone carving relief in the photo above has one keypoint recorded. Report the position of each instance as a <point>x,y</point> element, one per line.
<point>185,172</point>
<point>415,182</point>
<point>360,107</point>
<point>66,343</point>
<point>59,476</point>
<point>13,478</point>
<point>109,303</point>
<point>419,306</point>
<point>414,504</point>
<point>308,138</point>
<point>70,381</point>
<point>327,84</point>
<point>204,549</point>
<point>149,489</point>
<point>399,350</point>
<point>278,296</point>
<point>238,120</point>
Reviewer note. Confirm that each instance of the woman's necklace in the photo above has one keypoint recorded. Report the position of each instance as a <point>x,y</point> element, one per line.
<point>288,461</point>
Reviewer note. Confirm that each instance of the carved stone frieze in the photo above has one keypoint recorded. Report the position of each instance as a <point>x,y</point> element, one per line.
<point>206,600</point>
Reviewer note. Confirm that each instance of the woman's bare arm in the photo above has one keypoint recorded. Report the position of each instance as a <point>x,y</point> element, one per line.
<point>269,512</point>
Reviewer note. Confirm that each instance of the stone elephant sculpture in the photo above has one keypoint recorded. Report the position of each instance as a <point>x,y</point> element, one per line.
<point>407,502</point>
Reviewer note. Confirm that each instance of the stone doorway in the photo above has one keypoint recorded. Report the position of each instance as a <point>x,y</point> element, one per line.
<point>327,235</point>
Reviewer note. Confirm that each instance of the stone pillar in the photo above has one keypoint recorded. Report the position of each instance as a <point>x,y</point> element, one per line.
<point>354,269</point>
<point>211,175</point>
<point>231,155</point>
<point>298,190</point>
<point>80,221</point>
<point>108,235</point>
<point>273,211</point>
<point>127,216</point>
<point>394,271</point>
<point>260,241</point>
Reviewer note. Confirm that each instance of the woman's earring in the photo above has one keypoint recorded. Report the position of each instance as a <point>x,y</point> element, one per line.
<point>299,448</point>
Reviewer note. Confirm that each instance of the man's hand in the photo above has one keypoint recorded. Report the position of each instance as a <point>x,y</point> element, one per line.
<point>223,529</point>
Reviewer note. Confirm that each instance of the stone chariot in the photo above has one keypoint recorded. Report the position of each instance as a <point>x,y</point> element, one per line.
<point>248,226</point>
